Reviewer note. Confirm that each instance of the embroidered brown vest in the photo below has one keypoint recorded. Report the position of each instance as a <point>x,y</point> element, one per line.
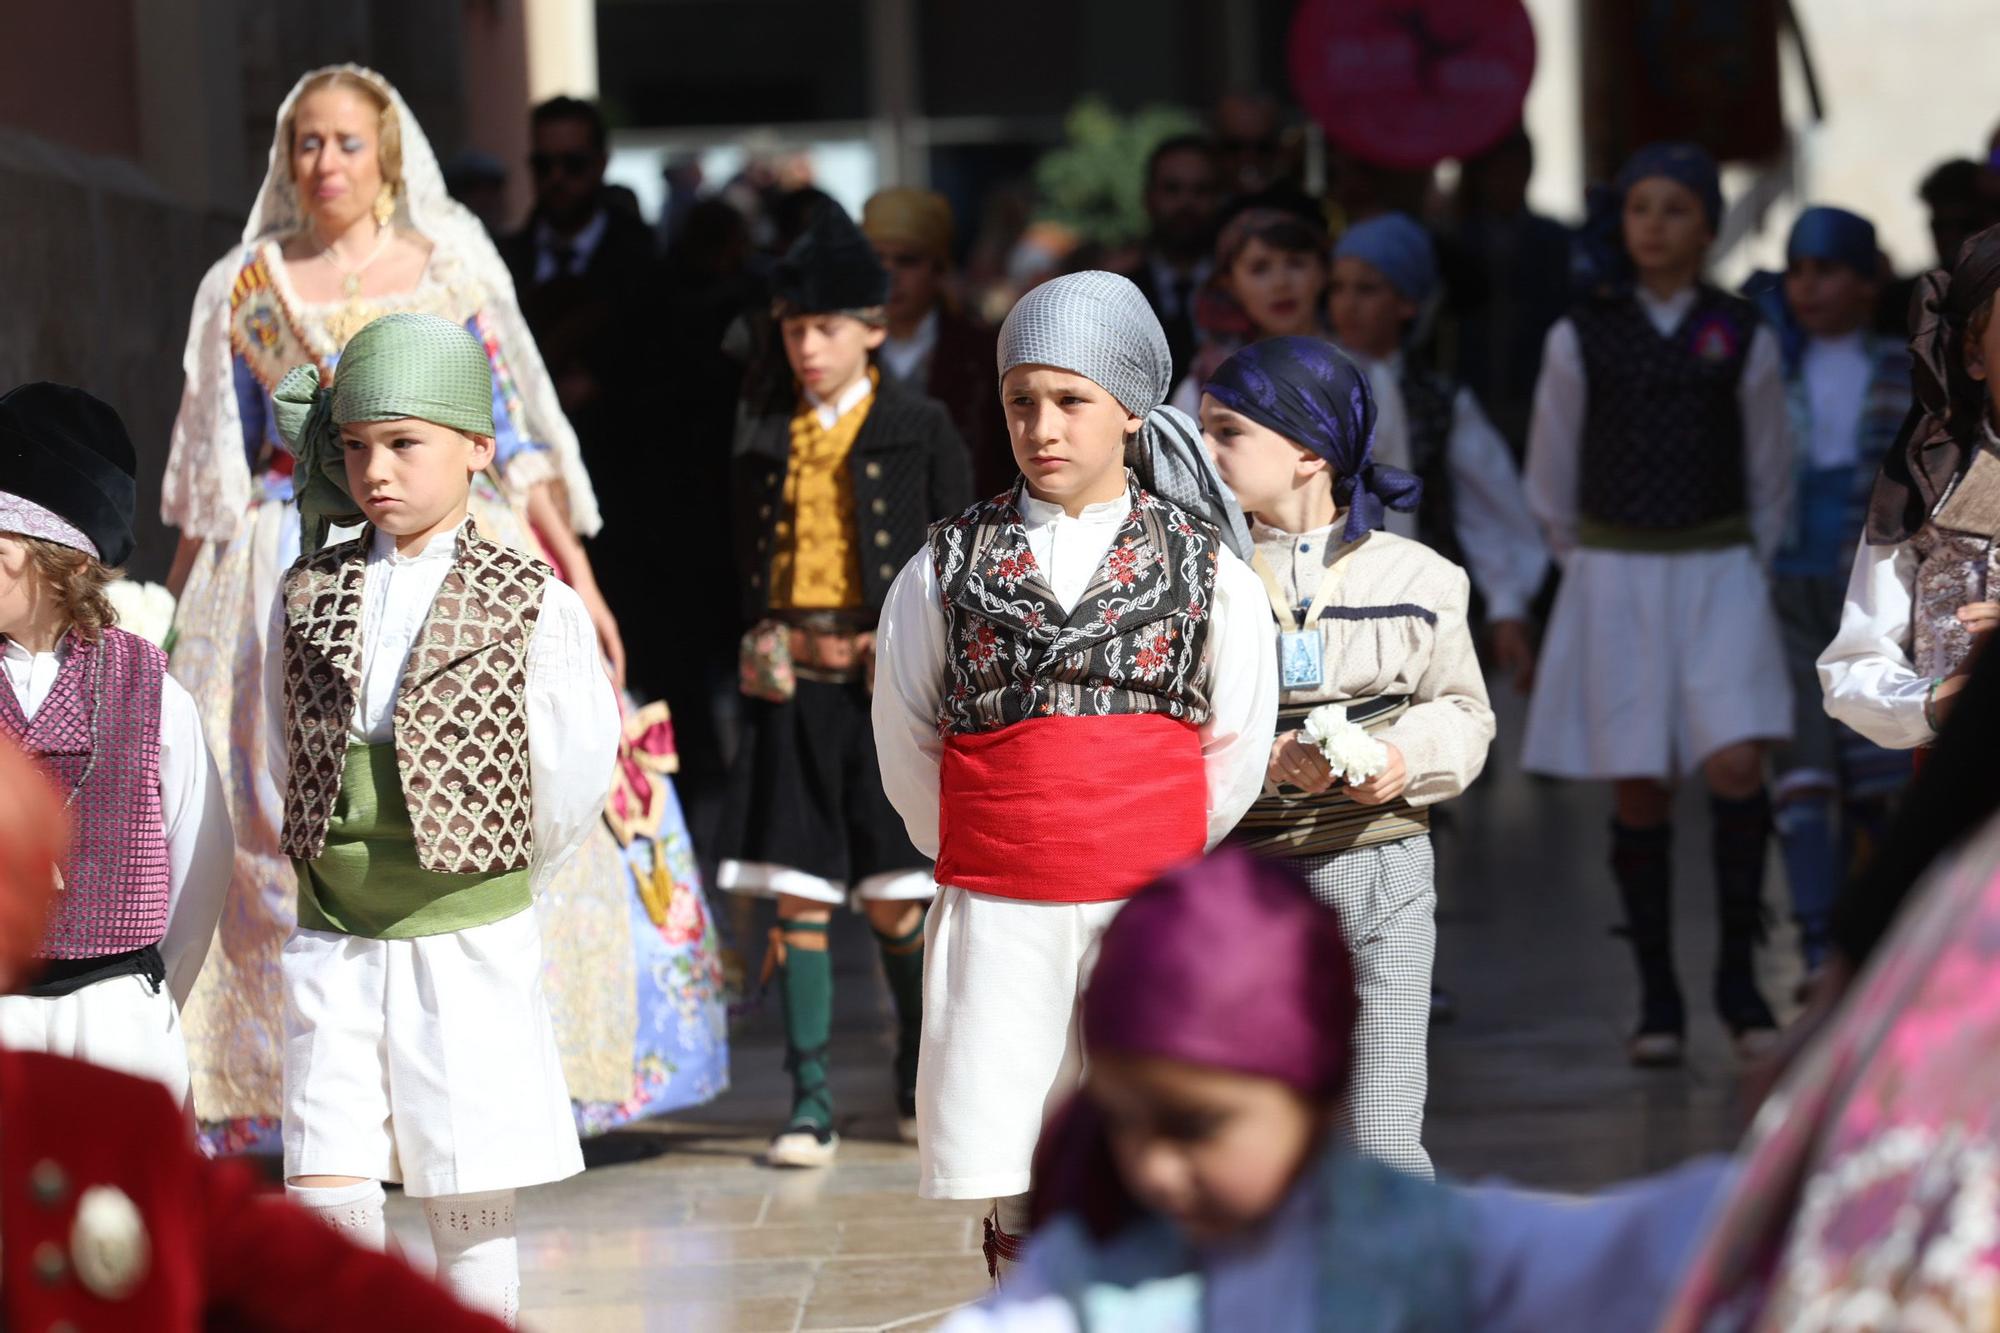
<point>461,718</point>
<point>1958,561</point>
<point>1132,643</point>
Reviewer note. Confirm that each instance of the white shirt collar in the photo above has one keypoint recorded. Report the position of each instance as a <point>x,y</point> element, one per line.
<point>1392,363</point>
<point>903,356</point>
<point>14,651</point>
<point>1261,531</point>
<point>441,546</point>
<point>1664,312</point>
<point>1041,513</point>
<point>925,336</point>
<point>31,676</point>
<point>1167,276</point>
<point>583,245</point>
<point>829,414</point>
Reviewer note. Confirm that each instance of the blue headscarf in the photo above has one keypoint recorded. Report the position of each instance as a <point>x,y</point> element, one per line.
<point>1305,390</point>
<point>1766,291</point>
<point>1830,234</point>
<point>1685,163</point>
<point>1836,236</point>
<point>1397,245</point>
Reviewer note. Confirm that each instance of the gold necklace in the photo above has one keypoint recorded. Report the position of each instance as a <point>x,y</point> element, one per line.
<point>350,278</point>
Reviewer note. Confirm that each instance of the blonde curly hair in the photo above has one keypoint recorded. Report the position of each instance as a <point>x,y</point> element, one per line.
<point>77,579</point>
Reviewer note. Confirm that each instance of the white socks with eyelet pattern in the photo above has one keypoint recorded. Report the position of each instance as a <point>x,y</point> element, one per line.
<point>355,1211</point>
<point>478,1259</point>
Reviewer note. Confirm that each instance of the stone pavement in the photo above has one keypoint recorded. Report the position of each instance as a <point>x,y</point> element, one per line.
<point>675,1226</point>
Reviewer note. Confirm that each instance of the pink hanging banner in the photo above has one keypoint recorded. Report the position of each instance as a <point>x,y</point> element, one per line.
<point>1408,83</point>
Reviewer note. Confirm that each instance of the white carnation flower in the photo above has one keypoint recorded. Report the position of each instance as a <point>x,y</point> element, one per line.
<point>144,609</point>
<point>1350,751</point>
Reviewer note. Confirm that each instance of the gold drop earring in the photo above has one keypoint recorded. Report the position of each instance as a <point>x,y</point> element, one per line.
<point>385,204</point>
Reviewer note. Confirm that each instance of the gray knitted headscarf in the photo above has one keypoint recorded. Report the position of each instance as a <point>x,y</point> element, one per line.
<point>1100,326</point>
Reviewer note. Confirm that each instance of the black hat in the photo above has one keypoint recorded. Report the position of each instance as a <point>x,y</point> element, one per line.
<point>830,268</point>
<point>68,452</point>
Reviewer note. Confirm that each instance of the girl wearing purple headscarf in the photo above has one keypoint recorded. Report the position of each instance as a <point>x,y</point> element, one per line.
<point>1660,466</point>
<point>1375,623</point>
<point>1202,1180</point>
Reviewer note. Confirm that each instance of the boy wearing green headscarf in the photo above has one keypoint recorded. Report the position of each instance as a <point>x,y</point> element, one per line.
<point>430,785</point>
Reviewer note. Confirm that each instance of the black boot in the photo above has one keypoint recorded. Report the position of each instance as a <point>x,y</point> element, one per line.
<point>1742,836</point>
<point>1641,863</point>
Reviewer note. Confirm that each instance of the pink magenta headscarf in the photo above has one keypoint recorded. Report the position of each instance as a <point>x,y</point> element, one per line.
<point>1226,962</point>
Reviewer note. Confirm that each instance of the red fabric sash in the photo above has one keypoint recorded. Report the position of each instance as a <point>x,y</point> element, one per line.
<point>1070,809</point>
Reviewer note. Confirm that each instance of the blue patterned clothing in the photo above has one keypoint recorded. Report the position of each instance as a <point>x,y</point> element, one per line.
<point>1360,1248</point>
<point>1830,504</point>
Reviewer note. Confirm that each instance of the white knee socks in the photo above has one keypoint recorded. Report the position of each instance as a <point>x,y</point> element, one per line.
<point>1006,1234</point>
<point>478,1260</point>
<point>1012,1214</point>
<point>355,1211</point>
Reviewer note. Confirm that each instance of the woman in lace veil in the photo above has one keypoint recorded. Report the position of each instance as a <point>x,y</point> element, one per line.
<point>353,222</point>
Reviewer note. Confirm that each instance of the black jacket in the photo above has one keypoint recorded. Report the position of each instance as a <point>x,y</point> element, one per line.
<point>1178,325</point>
<point>596,322</point>
<point>909,468</point>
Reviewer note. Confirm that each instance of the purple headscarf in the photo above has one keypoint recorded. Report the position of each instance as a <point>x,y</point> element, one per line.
<point>1225,962</point>
<point>1304,389</point>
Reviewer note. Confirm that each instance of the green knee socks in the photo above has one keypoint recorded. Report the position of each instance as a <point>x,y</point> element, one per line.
<point>903,964</point>
<point>805,982</point>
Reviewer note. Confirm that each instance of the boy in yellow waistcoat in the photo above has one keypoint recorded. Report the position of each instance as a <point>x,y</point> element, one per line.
<point>837,474</point>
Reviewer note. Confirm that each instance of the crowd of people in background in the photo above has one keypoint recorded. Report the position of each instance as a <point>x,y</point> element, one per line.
<point>1445,298</point>
<point>499,545</point>
<point>1664,627</point>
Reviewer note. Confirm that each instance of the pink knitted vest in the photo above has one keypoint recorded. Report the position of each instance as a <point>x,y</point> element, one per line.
<point>115,878</point>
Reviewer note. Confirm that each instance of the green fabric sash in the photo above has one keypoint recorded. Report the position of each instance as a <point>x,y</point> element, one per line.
<point>1716,535</point>
<point>368,881</point>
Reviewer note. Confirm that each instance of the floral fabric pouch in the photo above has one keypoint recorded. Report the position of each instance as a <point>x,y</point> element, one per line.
<point>764,663</point>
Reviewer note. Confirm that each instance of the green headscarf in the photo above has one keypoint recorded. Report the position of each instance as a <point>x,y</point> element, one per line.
<point>402,365</point>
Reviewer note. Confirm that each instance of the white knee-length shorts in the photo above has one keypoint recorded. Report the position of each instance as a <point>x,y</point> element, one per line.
<point>1654,662</point>
<point>1003,1043</point>
<point>429,1061</point>
<point>120,1023</point>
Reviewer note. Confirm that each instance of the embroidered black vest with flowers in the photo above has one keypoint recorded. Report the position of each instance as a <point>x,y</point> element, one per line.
<point>461,721</point>
<point>1133,643</point>
<point>1663,430</point>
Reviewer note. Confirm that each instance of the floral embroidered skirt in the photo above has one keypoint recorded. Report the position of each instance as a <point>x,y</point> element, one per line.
<point>1868,1180</point>
<point>632,957</point>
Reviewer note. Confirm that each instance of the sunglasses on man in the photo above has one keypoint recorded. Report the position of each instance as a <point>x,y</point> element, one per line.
<point>545,165</point>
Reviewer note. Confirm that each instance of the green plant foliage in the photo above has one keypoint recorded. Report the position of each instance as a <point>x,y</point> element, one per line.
<point>1095,181</point>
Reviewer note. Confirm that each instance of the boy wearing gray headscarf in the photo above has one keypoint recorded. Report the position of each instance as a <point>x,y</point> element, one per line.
<point>1075,689</point>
